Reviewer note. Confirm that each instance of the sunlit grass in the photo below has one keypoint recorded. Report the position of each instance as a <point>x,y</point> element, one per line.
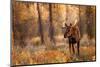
<point>24,56</point>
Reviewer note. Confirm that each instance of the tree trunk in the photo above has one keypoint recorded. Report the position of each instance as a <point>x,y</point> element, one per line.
<point>89,22</point>
<point>40,24</point>
<point>51,29</point>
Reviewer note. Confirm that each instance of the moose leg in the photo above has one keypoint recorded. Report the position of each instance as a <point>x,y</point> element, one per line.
<point>78,47</point>
<point>70,48</point>
<point>73,49</point>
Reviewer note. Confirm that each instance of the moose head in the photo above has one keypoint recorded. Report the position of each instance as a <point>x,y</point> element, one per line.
<point>67,31</point>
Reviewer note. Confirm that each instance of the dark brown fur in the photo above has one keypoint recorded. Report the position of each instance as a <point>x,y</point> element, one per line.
<point>73,35</point>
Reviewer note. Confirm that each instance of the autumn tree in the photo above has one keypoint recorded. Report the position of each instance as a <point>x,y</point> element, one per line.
<point>90,21</point>
<point>51,29</point>
<point>40,23</point>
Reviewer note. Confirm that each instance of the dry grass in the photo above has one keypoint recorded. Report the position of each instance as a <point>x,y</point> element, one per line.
<point>41,55</point>
<point>23,56</point>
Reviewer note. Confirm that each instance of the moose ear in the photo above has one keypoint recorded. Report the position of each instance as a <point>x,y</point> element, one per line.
<point>66,25</point>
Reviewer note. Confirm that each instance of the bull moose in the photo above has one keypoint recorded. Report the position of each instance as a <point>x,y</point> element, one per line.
<point>73,34</point>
